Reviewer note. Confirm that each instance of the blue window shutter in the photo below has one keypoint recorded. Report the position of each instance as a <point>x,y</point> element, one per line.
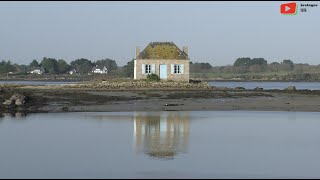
<point>172,68</point>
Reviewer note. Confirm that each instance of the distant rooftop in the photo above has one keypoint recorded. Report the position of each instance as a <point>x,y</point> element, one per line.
<point>162,50</point>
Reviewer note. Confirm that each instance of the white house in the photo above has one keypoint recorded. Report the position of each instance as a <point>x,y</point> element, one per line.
<point>98,70</point>
<point>37,71</point>
<point>72,71</point>
<point>164,59</point>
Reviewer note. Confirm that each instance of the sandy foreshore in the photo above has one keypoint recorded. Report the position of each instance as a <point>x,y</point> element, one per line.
<point>66,99</point>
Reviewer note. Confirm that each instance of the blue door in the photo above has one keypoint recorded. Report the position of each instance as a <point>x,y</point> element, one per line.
<point>163,71</point>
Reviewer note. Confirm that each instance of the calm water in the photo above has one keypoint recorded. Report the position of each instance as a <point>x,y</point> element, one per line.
<point>41,83</point>
<point>268,85</point>
<point>233,144</point>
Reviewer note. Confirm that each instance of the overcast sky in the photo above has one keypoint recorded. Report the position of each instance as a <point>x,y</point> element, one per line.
<point>215,32</point>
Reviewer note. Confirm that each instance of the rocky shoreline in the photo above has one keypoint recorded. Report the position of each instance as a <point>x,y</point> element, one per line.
<point>83,79</point>
<point>141,85</point>
<point>151,96</point>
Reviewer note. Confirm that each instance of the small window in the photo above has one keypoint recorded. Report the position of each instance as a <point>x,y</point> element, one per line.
<point>176,69</point>
<point>148,69</point>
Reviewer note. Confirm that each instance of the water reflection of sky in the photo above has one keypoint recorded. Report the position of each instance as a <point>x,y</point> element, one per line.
<point>267,85</point>
<point>218,144</point>
<point>157,134</point>
<point>161,135</point>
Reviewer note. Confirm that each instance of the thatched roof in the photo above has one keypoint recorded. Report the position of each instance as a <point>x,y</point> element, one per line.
<point>162,50</point>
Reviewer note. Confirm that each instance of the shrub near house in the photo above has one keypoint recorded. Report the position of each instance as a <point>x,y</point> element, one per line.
<point>153,77</point>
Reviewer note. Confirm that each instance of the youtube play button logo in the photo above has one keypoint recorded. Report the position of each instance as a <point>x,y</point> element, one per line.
<point>288,8</point>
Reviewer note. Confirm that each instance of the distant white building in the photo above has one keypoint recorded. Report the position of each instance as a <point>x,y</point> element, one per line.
<point>72,71</point>
<point>37,71</point>
<point>98,70</point>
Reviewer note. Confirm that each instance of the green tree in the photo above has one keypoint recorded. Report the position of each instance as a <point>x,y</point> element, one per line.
<point>244,61</point>
<point>288,63</point>
<point>50,65</point>
<point>206,66</point>
<point>129,68</point>
<point>259,61</point>
<point>6,66</point>
<point>200,67</point>
<point>258,65</point>
<point>82,65</point>
<point>34,63</point>
<point>63,66</point>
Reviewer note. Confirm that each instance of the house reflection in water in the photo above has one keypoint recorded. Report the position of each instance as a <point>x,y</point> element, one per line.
<point>162,134</point>
<point>17,115</point>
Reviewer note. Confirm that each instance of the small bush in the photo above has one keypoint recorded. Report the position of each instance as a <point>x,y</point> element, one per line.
<point>153,77</point>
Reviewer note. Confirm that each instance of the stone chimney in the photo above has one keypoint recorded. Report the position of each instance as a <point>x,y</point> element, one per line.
<point>137,51</point>
<point>185,50</point>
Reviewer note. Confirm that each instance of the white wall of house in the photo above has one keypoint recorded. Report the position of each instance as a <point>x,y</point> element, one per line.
<point>36,71</point>
<point>135,70</point>
<point>100,71</point>
<point>72,71</point>
<point>181,75</point>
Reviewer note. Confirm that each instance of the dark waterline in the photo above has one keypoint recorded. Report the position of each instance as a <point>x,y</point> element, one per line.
<point>40,83</point>
<point>267,85</point>
<point>197,144</point>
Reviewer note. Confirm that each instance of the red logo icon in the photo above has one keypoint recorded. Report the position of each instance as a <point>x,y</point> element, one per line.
<point>288,8</point>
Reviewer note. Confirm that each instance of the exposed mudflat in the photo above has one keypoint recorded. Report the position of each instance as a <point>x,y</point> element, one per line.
<point>65,99</point>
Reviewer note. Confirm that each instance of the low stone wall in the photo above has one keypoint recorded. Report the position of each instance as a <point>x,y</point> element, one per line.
<point>141,84</point>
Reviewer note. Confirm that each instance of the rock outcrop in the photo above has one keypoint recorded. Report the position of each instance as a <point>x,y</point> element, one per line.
<point>194,81</point>
<point>291,88</point>
<point>240,88</point>
<point>16,99</point>
<point>258,88</point>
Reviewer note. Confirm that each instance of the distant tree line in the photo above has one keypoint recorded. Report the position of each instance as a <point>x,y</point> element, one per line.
<point>256,65</point>
<point>6,66</point>
<point>200,67</point>
<point>243,65</point>
<point>60,66</point>
<point>247,68</point>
